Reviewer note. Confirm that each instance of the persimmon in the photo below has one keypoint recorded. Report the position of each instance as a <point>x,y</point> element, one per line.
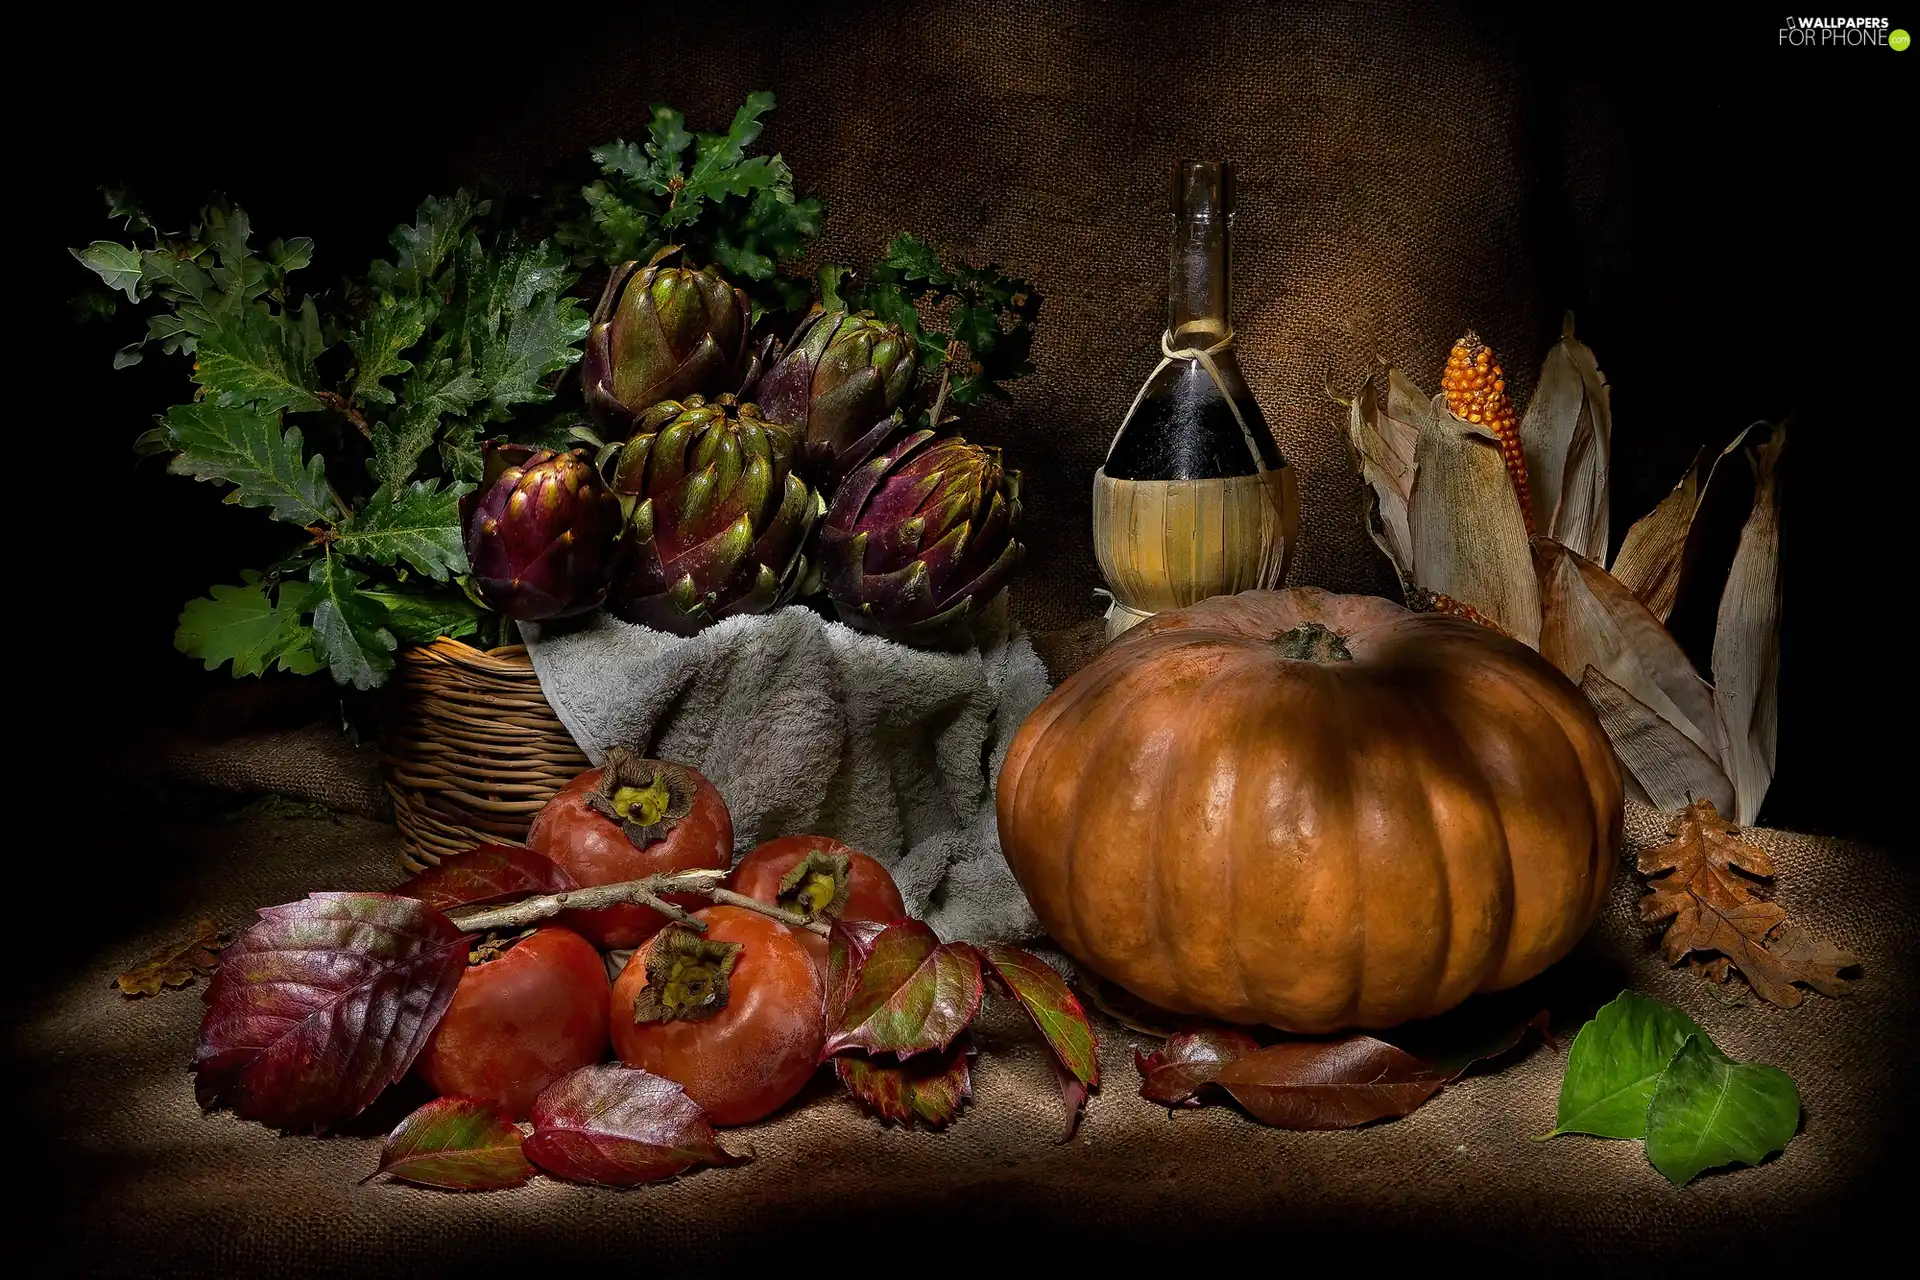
<point>628,819</point>
<point>821,879</point>
<point>527,1011</point>
<point>735,1013</point>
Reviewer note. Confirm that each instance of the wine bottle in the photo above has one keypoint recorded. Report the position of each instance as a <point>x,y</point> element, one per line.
<point>1195,498</point>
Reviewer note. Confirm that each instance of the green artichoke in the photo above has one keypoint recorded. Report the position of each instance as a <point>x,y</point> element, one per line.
<point>920,538</point>
<point>541,534</point>
<point>838,375</point>
<point>662,333</point>
<point>717,521</point>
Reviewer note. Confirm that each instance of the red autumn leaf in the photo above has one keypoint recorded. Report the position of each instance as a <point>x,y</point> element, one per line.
<point>458,1144</point>
<point>929,1086</point>
<point>1328,1084</point>
<point>487,873</point>
<point>323,1004</point>
<point>1173,1074</point>
<point>848,947</point>
<point>1452,1044</point>
<point>1056,1011</point>
<point>619,1127</point>
<point>912,994</point>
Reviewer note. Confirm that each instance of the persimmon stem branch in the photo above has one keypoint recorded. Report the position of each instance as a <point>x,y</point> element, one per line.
<point>646,892</point>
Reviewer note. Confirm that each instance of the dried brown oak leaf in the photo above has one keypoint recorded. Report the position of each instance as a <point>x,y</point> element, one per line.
<point>1706,880</point>
<point>176,964</point>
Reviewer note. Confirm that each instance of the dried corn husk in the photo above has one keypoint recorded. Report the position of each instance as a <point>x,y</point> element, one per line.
<point>1567,438</point>
<point>1468,536</point>
<point>1385,444</point>
<point>1746,638</point>
<point>1591,620</point>
<point>1668,768</point>
<point>1650,559</point>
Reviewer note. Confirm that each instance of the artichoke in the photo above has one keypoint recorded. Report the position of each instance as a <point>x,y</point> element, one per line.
<point>838,375</point>
<point>920,537</point>
<point>717,520</point>
<point>542,536</point>
<point>662,333</point>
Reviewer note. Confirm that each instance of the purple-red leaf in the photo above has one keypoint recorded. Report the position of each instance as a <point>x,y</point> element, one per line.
<point>913,994</point>
<point>323,1004</point>
<point>1328,1084</point>
<point>848,947</point>
<point>1056,1011</point>
<point>1452,1044</point>
<point>931,1086</point>
<point>619,1127</point>
<point>487,873</point>
<point>1173,1074</point>
<point>459,1144</point>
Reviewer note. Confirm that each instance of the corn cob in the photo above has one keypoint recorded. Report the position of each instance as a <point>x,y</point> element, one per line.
<point>1476,390</point>
<point>1421,600</point>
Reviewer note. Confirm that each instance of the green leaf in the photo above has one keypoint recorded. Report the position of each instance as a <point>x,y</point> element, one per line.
<point>383,334</point>
<point>1709,1111</point>
<point>254,355</point>
<point>1615,1065</point>
<point>419,524</point>
<point>517,323</point>
<point>428,243</point>
<point>349,626</point>
<point>245,626</point>
<point>118,265</point>
<point>912,259</point>
<point>420,617</point>
<point>463,455</point>
<point>244,446</point>
<point>828,280</point>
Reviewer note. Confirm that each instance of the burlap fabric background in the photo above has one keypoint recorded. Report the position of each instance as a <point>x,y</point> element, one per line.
<point>1383,188</point>
<point>148,1186</point>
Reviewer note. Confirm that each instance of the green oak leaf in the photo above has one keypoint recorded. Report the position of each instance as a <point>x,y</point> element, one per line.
<point>518,324</point>
<point>245,626</point>
<point>419,524</point>
<point>386,331</point>
<point>253,355</point>
<point>1710,1111</point>
<point>463,454</point>
<point>349,627</point>
<point>911,258</point>
<point>1615,1065</point>
<point>117,265</point>
<point>244,446</point>
<point>420,617</point>
<point>428,243</point>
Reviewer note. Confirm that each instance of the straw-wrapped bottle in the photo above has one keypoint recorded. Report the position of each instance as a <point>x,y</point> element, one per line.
<point>1194,498</point>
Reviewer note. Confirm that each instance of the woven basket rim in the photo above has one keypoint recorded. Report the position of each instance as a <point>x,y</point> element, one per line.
<point>507,659</point>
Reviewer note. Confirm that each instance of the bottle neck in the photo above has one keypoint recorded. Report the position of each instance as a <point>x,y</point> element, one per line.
<point>1197,282</point>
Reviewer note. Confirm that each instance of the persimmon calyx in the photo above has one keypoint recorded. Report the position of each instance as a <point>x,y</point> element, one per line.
<point>817,886</point>
<point>648,798</point>
<point>687,977</point>
<point>1313,642</point>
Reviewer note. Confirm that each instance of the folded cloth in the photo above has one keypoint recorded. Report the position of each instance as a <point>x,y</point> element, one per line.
<point>808,726</point>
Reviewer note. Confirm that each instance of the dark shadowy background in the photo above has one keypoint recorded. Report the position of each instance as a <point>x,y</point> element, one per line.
<point>1719,212</point>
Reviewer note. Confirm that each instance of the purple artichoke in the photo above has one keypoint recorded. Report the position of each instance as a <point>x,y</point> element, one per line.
<point>838,375</point>
<point>662,333</point>
<point>717,520</point>
<point>920,538</point>
<point>542,537</point>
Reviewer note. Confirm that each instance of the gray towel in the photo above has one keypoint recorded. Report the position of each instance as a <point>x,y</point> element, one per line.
<point>807,726</point>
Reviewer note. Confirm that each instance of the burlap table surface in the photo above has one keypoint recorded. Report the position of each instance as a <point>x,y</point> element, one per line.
<point>143,1184</point>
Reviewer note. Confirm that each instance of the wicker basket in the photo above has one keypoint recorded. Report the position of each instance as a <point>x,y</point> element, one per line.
<point>472,749</point>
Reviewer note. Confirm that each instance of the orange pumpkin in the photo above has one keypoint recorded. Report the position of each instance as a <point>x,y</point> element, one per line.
<point>1314,811</point>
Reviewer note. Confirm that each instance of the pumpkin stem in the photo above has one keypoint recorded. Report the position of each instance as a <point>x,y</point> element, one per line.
<point>1311,642</point>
